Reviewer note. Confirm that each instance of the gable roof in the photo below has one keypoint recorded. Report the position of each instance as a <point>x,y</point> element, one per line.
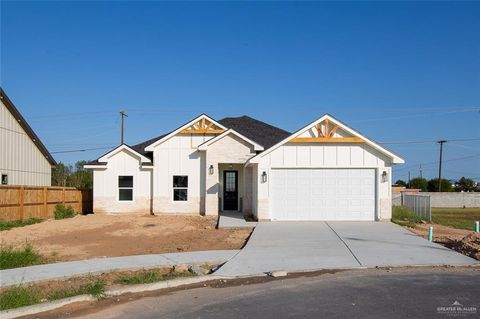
<point>259,132</point>
<point>102,160</point>
<point>23,123</point>
<point>395,158</point>
<point>262,133</point>
<point>204,145</point>
<point>150,146</point>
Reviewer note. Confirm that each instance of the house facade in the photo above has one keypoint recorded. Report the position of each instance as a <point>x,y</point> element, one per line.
<point>324,171</point>
<point>24,160</point>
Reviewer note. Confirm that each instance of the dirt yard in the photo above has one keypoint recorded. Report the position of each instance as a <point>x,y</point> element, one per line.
<point>464,241</point>
<point>91,236</point>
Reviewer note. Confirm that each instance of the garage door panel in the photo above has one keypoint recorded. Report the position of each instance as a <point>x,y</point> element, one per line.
<point>323,194</point>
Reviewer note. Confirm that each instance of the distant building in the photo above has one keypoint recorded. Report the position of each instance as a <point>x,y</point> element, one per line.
<point>24,160</point>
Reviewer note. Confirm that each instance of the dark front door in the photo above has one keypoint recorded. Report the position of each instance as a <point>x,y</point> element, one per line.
<point>230,190</point>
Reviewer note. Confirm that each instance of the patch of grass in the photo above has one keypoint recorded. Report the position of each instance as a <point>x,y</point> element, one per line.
<point>11,257</point>
<point>96,289</point>
<point>6,225</point>
<point>462,218</point>
<point>404,217</point>
<point>61,211</point>
<point>21,296</point>
<point>149,276</point>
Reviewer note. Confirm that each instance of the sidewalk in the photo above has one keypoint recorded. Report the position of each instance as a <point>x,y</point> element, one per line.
<point>82,267</point>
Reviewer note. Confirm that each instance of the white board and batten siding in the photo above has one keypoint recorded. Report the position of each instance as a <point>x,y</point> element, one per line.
<point>20,158</point>
<point>341,170</point>
<point>106,188</point>
<point>179,156</point>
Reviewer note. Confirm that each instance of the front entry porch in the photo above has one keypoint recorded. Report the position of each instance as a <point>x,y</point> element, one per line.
<point>229,219</point>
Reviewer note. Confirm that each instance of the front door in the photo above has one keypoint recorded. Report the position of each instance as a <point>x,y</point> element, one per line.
<point>230,190</point>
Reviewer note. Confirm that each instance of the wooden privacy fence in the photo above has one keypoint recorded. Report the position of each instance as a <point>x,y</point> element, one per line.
<point>24,202</point>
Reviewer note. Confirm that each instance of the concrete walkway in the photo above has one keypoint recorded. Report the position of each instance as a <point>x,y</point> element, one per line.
<point>82,267</point>
<point>303,246</point>
<point>233,220</point>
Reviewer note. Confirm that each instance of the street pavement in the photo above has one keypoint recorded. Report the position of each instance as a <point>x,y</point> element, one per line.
<point>371,293</point>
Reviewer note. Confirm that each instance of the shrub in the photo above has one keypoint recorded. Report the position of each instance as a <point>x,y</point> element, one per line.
<point>6,225</point>
<point>404,217</point>
<point>11,257</point>
<point>62,212</point>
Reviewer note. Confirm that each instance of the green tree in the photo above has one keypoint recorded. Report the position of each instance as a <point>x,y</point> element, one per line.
<point>433,185</point>
<point>77,176</point>
<point>418,183</point>
<point>60,173</point>
<point>466,185</point>
<point>401,182</point>
<point>80,178</point>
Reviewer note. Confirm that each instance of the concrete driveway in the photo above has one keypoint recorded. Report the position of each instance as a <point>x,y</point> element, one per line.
<point>303,246</point>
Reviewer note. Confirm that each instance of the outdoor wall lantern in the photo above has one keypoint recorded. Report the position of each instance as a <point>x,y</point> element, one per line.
<point>264,177</point>
<point>384,176</point>
<point>210,170</point>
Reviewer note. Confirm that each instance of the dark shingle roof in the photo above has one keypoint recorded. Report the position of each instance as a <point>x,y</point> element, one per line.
<point>258,131</point>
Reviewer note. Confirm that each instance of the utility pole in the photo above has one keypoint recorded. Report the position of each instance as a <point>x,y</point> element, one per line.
<point>122,114</point>
<point>409,179</point>
<point>440,165</point>
<point>421,172</point>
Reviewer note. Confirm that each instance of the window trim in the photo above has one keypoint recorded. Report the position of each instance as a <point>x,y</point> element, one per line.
<point>178,187</point>
<point>123,187</point>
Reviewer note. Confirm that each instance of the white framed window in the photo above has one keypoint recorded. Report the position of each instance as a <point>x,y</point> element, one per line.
<point>180,188</point>
<point>125,188</point>
<point>4,179</point>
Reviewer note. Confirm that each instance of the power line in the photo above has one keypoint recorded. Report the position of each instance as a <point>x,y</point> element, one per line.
<point>432,141</point>
<point>83,150</point>
<point>436,162</point>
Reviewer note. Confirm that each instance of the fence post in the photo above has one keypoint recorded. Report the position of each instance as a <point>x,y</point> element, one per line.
<point>45,201</point>
<point>63,196</point>
<point>22,201</point>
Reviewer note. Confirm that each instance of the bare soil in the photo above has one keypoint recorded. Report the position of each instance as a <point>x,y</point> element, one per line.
<point>461,240</point>
<point>93,236</point>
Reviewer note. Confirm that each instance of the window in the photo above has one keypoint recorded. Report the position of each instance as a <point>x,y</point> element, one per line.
<point>180,188</point>
<point>125,188</point>
<point>4,179</point>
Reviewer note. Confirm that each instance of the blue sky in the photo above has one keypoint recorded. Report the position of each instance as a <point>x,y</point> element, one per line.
<point>394,71</point>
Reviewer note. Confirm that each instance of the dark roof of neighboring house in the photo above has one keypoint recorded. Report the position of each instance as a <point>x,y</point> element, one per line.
<point>23,123</point>
<point>258,131</point>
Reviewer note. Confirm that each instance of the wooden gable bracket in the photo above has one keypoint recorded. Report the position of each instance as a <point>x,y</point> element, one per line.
<point>327,136</point>
<point>202,127</point>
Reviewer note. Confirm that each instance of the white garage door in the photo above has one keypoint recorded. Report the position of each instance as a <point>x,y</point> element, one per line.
<point>323,194</point>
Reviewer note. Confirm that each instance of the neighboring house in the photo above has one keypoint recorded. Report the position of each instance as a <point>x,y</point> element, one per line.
<point>24,160</point>
<point>324,171</point>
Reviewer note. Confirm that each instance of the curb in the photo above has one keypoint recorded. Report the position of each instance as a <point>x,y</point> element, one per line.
<point>161,285</point>
<point>33,309</point>
<point>42,307</point>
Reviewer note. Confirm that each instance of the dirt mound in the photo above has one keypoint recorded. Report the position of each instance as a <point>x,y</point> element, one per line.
<point>468,245</point>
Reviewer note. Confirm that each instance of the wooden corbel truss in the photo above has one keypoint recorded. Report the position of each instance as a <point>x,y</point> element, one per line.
<point>326,135</point>
<point>202,126</point>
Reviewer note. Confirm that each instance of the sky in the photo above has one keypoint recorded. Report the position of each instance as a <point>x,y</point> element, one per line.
<point>395,71</point>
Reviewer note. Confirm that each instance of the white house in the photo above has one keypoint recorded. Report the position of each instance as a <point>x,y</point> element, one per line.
<point>24,160</point>
<point>324,171</point>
